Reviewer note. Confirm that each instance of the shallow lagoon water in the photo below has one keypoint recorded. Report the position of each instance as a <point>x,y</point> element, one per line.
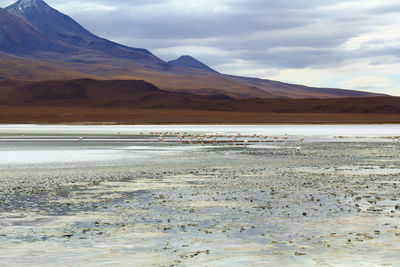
<point>108,202</point>
<point>17,154</point>
<point>367,130</point>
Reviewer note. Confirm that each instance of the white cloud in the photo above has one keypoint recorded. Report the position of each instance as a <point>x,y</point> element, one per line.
<point>372,83</point>
<point>87,7</point>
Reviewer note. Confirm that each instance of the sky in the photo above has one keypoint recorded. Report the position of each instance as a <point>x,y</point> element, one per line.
<point>351,44</point>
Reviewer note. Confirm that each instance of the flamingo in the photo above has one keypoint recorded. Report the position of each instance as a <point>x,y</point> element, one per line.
<point>234,139</point>
<point>245,142</point>
<point>298,150</point>
<point>301,139</point>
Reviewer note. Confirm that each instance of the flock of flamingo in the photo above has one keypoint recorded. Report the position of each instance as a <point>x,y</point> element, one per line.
<point>215,138</point>
<point>235,139</point>
<point>184,137</point>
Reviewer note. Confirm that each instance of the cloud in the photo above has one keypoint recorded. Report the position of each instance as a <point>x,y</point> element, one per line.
<point>328,42</point>
<point>372,84</point>
<point>367,83</point>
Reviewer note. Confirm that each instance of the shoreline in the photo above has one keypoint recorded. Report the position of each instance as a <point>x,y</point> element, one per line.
<point>122,116</point>
<point>196,123</point>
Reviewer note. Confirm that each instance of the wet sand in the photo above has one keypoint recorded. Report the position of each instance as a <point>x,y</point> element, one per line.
<point>335,204</point>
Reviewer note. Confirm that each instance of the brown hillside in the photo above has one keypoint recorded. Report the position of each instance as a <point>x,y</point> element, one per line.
<point>142,95</point>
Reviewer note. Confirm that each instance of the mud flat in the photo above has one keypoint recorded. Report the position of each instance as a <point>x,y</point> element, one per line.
<point>335,204</point>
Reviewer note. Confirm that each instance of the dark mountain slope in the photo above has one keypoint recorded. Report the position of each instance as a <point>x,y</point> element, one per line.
<point>60,27</point>
<point>18,36</point>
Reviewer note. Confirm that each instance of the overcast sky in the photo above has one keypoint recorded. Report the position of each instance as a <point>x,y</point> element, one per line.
<point>350,44</point>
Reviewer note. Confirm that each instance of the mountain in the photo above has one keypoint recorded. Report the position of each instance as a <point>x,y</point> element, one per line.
<point>38,42</point>
<point>190,62</point>
<point>18,36</point>
<point>60,27</point>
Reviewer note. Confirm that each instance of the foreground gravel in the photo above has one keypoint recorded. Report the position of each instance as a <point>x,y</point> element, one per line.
<point>336,203</point>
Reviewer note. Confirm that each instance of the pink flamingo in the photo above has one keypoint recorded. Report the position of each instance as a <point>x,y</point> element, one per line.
<point>234,139</point>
